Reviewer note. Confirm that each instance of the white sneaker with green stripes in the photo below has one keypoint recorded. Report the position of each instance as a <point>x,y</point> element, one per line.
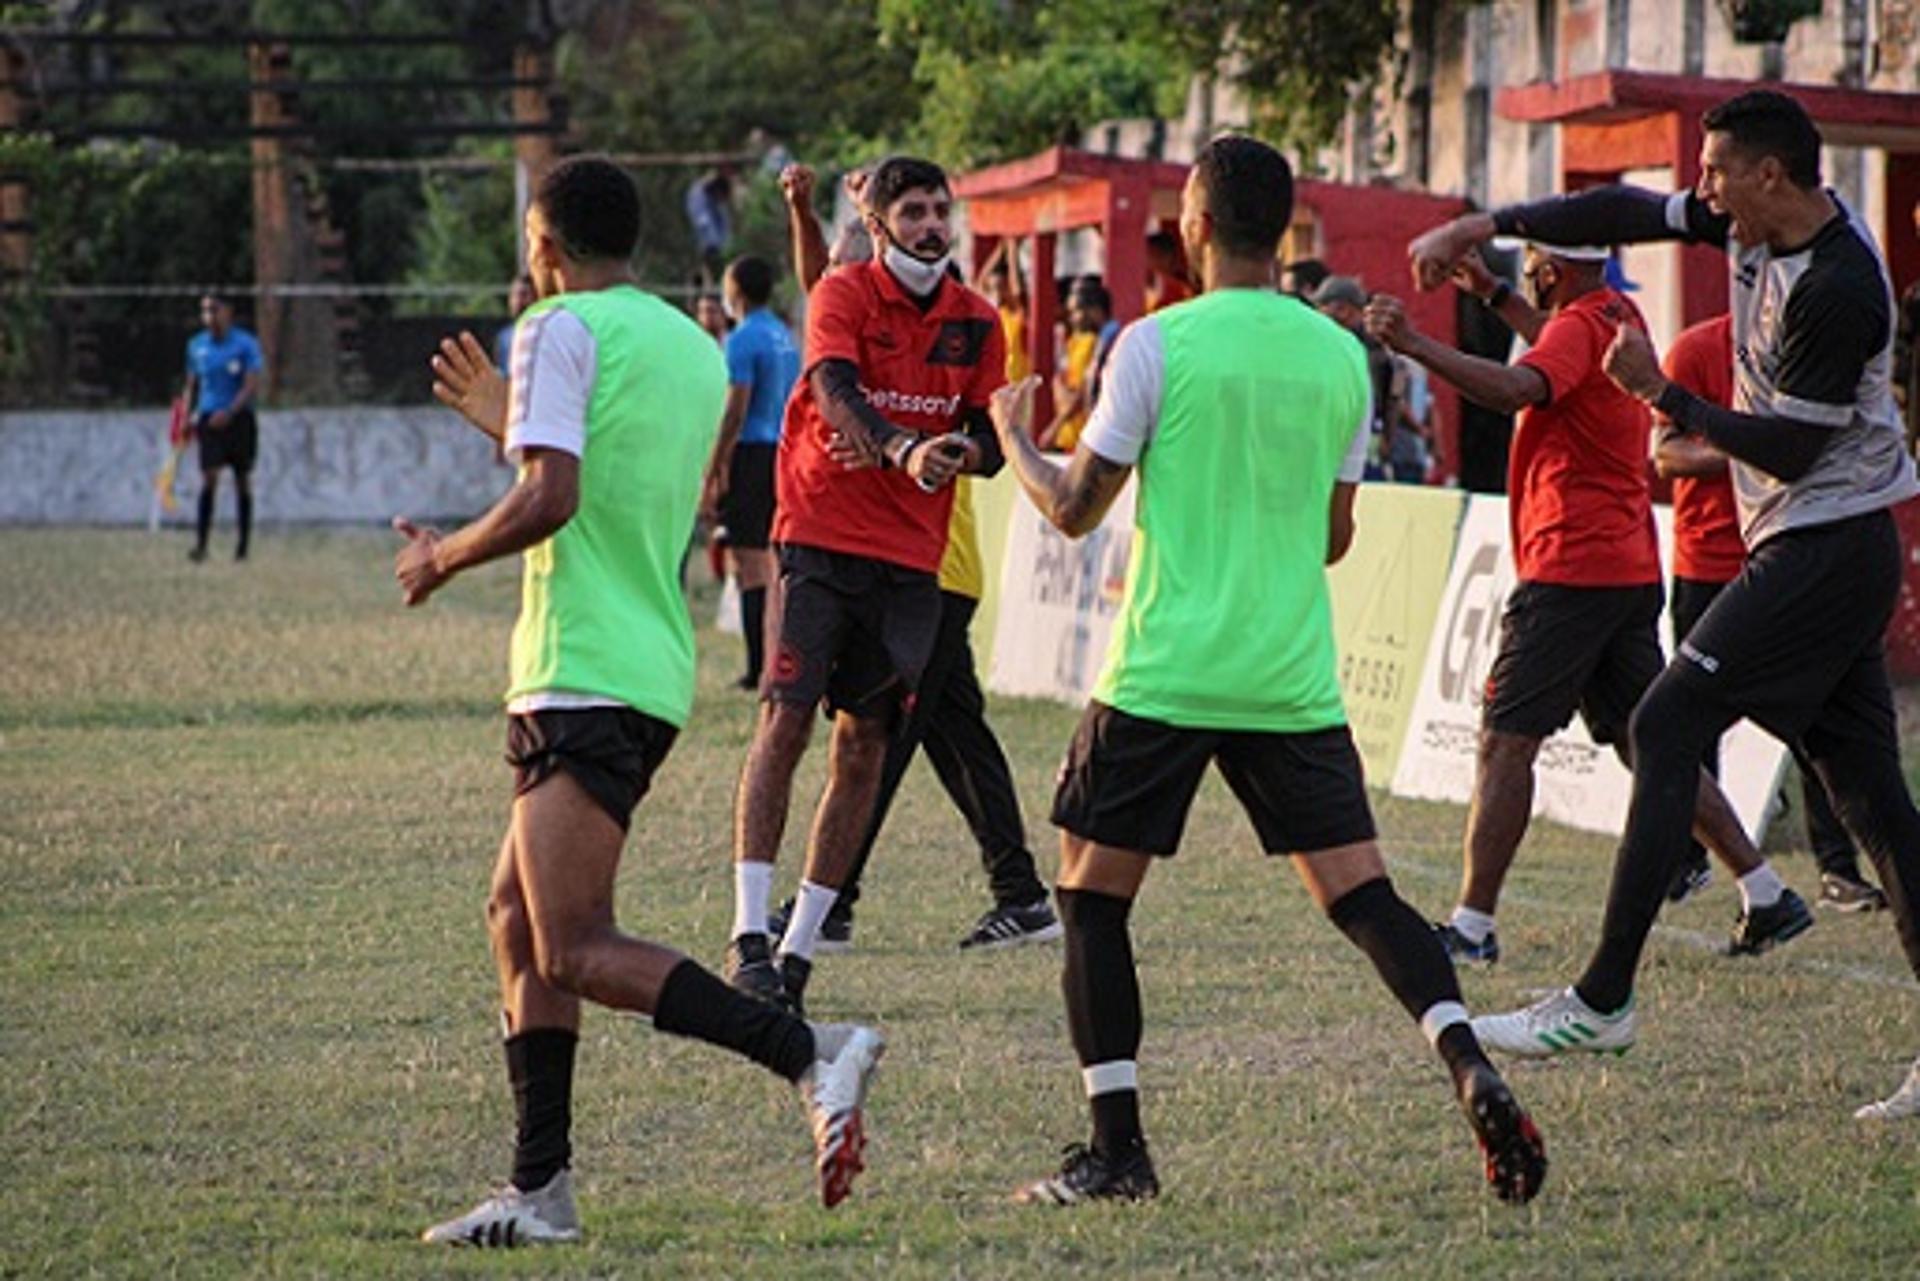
<point>1902,1103</point>
<point>1559,1024</point>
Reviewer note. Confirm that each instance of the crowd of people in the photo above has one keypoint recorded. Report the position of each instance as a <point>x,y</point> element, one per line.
<point>840,465</point>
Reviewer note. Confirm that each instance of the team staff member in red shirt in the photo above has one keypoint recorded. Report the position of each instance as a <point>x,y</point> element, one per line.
<point>1708,553</point>
<point>901,361</point>
<point>1578,631</point>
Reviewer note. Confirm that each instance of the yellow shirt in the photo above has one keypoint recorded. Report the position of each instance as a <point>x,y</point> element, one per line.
<point>1013,323</point>
<point>960,569</point>
<point>1079,362</point>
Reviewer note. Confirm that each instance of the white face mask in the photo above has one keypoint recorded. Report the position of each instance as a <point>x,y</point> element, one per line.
<point>918,275</point>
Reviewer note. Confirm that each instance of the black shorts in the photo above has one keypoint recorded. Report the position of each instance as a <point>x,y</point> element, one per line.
<point>851,629</point>
<point>1691,596</point>
<point>747,510</point>
<point>1565,649</point>
<point>1797,640</point>
<point>1128,782</point>
<point>611,752</point>
<point>236,445</point>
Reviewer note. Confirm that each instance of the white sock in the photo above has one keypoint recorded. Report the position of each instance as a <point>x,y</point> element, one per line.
<point>752,887</point>
<point>1762,887</point>
<point>1473,926</point>
<point>810,908</point>
<point>1111,1076</point>
<point>1440,1016</point>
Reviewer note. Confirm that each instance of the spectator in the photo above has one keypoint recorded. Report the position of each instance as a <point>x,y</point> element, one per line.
<point>711,315</point>
<point>1076,389</point>
<point>223,378</point>
<point>1303,277</point>
<point>519,298</point>
<point>710,215</point>
<point>1000,280</point>
<point>1167,281</point>
<point>1343,300</point>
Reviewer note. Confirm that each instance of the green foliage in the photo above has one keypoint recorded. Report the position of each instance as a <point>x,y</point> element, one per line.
<point>463,233</point>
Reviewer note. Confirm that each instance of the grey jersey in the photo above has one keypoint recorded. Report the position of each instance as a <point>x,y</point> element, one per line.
<point>1812,341</point>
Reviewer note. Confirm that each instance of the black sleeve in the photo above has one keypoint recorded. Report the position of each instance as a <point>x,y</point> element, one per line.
<point>978,425</point>
<point>1785,448</point>
<point>1836,321</point>
<point>836,385</point>
<point>1613,215</point>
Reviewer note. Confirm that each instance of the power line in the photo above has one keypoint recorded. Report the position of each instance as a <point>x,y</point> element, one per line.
<point>311,290</point>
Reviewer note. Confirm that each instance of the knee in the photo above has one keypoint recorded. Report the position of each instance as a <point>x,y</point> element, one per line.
<point>784,730</point>
<point>562,960</point>
<point>1667,725</point>
<point>507,923</point>
<point>859,742</point>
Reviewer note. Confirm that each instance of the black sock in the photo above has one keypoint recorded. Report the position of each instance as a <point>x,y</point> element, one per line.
<point>203,518</point>
<point>753,622</point>
<point>540,1065</point>
<point>245,494</point>
<point>695,1003</point>
<point>1410,959</point>
<point>1103,1008</point>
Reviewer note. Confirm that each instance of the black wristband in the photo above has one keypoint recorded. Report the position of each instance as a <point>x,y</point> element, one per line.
<point>1677,403</point>
<point>1498,298</point>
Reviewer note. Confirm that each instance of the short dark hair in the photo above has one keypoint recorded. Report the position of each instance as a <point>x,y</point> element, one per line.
<point>592,206</point>
<point>1308,273</point>
<point>1764,123</point>
<point>1089,292</point>
<point>895,176</point>
<point>1249,190</point>
<point>753,277</point>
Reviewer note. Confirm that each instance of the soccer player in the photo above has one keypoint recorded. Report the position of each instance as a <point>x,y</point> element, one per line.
<point>614,399</point>
<point>1795,643</point>
<point>949,716</point>
<point>762,365</point>
<point>1708,553</point>
<point>223,379</point>
<point>900,362</point>
<point>1246,415</point>
<point>1579,629</point>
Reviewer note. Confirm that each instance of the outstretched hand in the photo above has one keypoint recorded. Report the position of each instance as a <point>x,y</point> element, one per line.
<point>413,564</point>
<point>465,381</point>
<point>1386,322</point>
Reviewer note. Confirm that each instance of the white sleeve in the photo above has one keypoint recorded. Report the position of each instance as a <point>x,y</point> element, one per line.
<point>1677,211</point>
<point>1123,418</point>
<point>552,370</point>
<point>1353,468</point>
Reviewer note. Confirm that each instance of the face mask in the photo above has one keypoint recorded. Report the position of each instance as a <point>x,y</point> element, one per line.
<point>1540,288</point>
<point>919,275</point>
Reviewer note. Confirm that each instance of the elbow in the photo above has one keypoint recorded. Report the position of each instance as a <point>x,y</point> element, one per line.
<point>551,507</point>
<point>1339,542</point>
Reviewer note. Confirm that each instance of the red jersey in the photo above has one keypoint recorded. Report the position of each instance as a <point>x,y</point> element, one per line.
<point>1707,546</point>
<point>1579,504</point>
<point>923,372</point>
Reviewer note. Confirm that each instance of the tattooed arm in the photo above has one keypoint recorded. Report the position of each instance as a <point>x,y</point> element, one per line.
<point>1072,498</point>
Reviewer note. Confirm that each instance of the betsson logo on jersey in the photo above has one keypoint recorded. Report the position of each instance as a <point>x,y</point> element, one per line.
<point>886,400</point>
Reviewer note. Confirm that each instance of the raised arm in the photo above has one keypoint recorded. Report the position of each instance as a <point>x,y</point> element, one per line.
<point>1612,215</point>
<point>804,233</point>
<point>1502,388</point>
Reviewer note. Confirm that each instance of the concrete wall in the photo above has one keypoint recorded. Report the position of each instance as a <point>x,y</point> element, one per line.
<point>341,464</point>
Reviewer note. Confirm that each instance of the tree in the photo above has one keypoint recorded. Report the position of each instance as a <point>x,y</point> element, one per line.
<point>1003,77</point>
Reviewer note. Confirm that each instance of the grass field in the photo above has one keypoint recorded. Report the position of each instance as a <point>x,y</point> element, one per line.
<point>246,1021</point>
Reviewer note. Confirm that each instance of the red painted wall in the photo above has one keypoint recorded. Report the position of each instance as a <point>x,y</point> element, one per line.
<point>1364,232</point>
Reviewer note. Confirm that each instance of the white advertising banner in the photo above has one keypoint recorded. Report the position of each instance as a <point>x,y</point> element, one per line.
<point>1058,599</point>
<point>1576,781</point>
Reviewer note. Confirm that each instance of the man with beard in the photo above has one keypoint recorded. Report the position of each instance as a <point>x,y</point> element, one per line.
<point>901,360</point>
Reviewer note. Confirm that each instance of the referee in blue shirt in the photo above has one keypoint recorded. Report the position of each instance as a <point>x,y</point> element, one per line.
<point>223,378</point>
<point>762,366</point>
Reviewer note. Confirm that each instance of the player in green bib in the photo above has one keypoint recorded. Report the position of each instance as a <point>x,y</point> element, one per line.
<point>612,404</point>
<point>1246,415</point>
